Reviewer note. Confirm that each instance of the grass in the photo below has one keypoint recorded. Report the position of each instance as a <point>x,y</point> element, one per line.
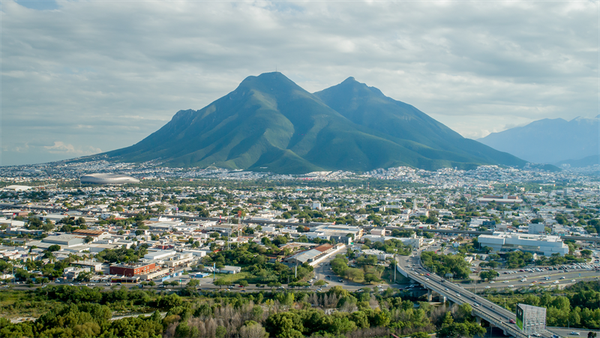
<point>233,278</point>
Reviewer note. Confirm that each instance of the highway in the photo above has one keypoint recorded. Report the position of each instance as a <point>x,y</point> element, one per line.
<point>492,313</point>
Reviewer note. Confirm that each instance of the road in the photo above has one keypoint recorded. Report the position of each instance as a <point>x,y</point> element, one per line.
<point>494,314</point>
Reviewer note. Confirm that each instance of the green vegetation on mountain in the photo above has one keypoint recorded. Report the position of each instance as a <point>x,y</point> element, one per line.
<point>270,123</point>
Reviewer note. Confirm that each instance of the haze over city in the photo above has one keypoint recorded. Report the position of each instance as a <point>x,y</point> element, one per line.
<point>83,77</point>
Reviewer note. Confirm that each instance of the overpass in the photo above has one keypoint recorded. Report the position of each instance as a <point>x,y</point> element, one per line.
<point>497,316</point>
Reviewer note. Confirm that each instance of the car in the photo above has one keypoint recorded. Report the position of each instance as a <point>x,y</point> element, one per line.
<point>572,280</point>
<point>426,278</point>
<point>511,286</point>
<point>492,282</point>
<point>476,304</point>
<point>537,334</point>
<point>563,277</point>
<point>512,321</point>
<point>340,280</point>
<point>555,282</point>
<point>575,333</point>
<point>487,287</point>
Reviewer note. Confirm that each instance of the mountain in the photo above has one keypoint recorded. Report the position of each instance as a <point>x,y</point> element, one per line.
<point>551,141</point>
<point>270,123</point>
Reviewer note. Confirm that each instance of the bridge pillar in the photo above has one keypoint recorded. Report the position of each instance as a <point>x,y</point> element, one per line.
<point>429,295</point>
<point>478,320</point>
<point>444,299</point>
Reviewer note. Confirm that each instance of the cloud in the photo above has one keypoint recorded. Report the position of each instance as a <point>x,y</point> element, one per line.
<point>61,148</point>
<point>125,68</point>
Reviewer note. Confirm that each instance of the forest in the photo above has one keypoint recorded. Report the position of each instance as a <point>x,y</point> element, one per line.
<point>74,311</point>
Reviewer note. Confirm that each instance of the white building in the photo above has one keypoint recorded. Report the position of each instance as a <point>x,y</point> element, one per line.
<point>160,255</point>
<point>537,228</point>
<point>540,244</point>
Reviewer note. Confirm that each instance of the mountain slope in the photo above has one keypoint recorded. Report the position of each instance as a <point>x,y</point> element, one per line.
<point>550,140</point>
<point>270,123</point>
<point>368,106</point>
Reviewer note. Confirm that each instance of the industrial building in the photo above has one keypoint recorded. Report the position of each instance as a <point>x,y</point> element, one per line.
<point>160,254</point>
<point>540,244</point>
<point>339,233</point>
<point>107,179</point>
<point>505,199</point>
<point>314,256</point>
<point>64,240</point>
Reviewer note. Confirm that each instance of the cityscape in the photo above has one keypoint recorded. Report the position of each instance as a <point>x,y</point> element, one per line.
<point>488,240</point>
<point>299,169</point>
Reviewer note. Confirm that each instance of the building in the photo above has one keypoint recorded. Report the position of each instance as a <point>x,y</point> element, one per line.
<point>537,228</point>
<point>314,256</point>
<point>339,233</point>
<point>531,319</point>
<point>92,233</point>
<point>506,199</point>
<point>65,240</point>
<point>107,179</point>
<point>540,244</point>
<point>160,255</point>
<point>132,270</point>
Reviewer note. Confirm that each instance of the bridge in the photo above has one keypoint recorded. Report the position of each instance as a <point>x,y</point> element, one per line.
<point>497,316</point>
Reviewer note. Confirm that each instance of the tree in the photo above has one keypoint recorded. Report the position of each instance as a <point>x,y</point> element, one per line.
<point>420,335</point>
<point>488,275</point>
<point>54,247</point>
<point>253,329</point>
<point>243,283</point>
<point>221,332</point>
<point>220,282</point>
<point>193,282</point>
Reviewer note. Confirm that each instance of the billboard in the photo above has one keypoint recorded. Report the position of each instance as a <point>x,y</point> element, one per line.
<point>519,317</point>
<point>531,319</point>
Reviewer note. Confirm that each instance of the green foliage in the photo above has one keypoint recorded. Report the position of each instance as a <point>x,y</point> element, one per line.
<point>444,264</point>
<point>269,121</point>
<point>488,275</point>
<point>518,259</point>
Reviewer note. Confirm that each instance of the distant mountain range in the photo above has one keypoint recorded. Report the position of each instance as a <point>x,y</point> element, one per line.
<point>554,141</point>
<point>269,123</point>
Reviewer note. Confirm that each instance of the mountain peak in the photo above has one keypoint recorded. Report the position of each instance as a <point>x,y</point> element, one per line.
<point>270,123</point>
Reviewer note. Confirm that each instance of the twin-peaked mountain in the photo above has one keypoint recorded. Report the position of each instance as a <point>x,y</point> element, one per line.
<point>270,123</point>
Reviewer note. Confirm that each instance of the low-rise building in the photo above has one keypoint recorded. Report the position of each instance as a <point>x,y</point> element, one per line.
<point>132,269</point>
<point>540,244</point>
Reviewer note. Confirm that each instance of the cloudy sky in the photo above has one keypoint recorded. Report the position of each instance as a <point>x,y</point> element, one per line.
<point>82,77</point>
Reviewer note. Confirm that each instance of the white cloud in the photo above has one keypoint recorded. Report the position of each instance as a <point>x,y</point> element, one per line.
<point>60,147</point>
<point>106,74</point>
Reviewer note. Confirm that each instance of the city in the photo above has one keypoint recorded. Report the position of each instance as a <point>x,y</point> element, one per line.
<point>494,235</point>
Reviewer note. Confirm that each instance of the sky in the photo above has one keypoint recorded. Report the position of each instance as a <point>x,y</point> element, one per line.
<point>84,77</point>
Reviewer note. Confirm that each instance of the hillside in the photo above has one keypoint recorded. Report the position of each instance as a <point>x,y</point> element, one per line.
<point>551,141</point>
<point>270,123</point>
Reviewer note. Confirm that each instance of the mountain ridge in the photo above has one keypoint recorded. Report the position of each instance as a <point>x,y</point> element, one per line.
<point>270,123</point>
<point>552,141</point>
